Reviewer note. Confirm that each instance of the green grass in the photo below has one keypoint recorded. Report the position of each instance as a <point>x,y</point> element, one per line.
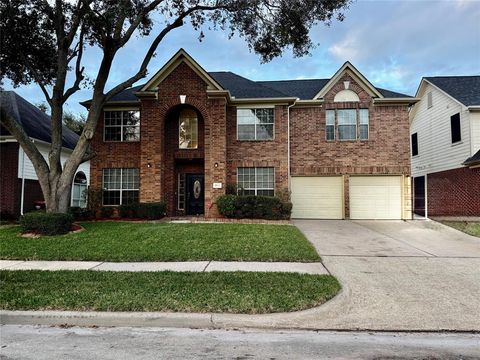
<point>124,241</point>
<point>471,228</point>
<point>231,292</point>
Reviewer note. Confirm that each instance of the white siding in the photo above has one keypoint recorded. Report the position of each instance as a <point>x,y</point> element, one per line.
<point>435,149</point>
<point>29,170</point>
<point>475,119</point>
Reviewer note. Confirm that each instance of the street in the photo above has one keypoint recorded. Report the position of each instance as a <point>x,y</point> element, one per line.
<point>35,342</point>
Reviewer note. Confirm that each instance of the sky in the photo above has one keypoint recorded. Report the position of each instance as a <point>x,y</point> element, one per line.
<point>393,43</point>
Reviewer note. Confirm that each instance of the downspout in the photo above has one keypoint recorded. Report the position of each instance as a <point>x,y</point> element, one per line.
<point>288,145</point>
<point>22,193</point>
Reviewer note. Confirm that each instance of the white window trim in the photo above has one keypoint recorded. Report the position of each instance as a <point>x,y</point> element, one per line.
<point>121,125</point>
<point>178,191</point>
<point>336,126</point>
<point>256,188</point>
<point>196,140</point>
<point>255,124</point>
<point>121,182</point>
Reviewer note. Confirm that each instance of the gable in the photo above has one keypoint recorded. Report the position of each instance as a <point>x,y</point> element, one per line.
<point>181,57</point>
<point>349,70</point>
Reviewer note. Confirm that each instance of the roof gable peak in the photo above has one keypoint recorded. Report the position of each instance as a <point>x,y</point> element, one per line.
<point>181,56</point>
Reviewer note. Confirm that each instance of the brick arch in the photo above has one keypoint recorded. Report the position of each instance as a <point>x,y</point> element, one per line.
<point>168,105</point>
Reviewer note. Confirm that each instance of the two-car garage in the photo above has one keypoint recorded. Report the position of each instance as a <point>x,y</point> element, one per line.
<point>370,197</point>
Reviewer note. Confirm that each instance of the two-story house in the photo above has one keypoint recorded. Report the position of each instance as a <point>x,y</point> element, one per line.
<point>339,145</point>
<point>445,138</point>
<point>20,189</point>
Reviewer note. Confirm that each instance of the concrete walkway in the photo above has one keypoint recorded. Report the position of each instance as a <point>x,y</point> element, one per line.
<point>191,266</point>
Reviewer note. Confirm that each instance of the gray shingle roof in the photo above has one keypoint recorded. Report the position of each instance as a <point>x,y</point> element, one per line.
<point>474,159</point>
<point>242,88</point>
<point>465,89</point>
<point>35,123</point>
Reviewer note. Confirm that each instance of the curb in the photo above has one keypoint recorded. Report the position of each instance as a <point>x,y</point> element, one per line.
<point>174,320</point>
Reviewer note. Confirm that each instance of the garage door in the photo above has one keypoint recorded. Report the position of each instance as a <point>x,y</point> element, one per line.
<point>317,197</point>
<point>375,197</point>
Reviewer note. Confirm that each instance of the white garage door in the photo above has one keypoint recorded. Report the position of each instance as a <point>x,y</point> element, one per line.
<point>317,197</point>
<point>375,197</point>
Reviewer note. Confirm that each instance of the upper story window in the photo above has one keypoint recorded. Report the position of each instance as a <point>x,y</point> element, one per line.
<point>188,129</point>
<point>120,186</point>
<point>456,128</point>
<point>255,124</point>
<point>122,125</point>
<point>347,121</point>
<point>414,144</point>
<point>429,100</point>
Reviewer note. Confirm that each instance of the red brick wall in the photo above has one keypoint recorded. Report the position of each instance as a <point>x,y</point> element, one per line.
<point>454,193</point>
<point>9,189</point>
<point>272,153</point>
<point>385,152</point>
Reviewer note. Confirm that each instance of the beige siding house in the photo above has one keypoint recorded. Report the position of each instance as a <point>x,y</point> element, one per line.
<point>445,139</point>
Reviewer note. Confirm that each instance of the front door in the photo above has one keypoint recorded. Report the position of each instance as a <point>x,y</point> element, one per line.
<point>195,194</point>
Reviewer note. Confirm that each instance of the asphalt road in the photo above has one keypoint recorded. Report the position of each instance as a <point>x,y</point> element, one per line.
<point>34,342</point>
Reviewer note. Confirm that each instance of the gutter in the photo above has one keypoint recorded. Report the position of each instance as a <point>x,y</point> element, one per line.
<point>474,108</point>
<point>396,101</point>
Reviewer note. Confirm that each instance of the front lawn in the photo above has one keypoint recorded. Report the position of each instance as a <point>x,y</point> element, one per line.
<point>129,241</point>
<point>232,292</point>
<point>469,227</point>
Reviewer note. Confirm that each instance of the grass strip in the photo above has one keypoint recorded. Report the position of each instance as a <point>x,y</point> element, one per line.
<point>127,241</point>
<point>227,292</point>
<point>469,227</point>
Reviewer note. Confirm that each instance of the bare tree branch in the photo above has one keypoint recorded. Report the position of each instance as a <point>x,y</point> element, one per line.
<point>142,71</point>
<point>78,70</point>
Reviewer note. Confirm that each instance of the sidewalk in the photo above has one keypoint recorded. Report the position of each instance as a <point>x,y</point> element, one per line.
<point>193,266</point>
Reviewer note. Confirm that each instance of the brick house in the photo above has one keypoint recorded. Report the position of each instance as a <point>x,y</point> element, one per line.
<point>19,186</point>
<point>340,145</point>
<point>445,133</point>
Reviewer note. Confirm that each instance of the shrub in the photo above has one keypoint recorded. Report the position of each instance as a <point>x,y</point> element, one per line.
<point>106,212</point>
<point>79,213</point>
<point>43,223</point>
<point>151,211</point>
<point>128,211</point>
<point>254,207</point>
<point>231,189</point>
<point>226,205</point>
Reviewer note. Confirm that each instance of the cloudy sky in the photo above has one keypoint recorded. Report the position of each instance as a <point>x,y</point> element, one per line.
<point>393,43</point>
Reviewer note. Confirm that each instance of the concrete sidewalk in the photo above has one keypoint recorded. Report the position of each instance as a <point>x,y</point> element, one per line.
<point>191,266</point>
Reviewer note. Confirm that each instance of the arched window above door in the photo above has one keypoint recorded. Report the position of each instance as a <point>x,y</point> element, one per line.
<point>188,129</point>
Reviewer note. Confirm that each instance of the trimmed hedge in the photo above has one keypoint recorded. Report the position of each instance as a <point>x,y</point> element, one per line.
<point>46,223</point>
<point>149,211</point>
<point>254,207</point>
<point>80,214</point>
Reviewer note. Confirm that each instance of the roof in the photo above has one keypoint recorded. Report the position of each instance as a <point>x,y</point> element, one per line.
<point>34,122</point>
<point>472,160</point>
<point>243,88</point>
<point>465,89</point>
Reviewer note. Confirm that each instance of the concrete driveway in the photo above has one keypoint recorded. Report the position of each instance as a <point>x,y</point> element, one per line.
<point>396,275</point>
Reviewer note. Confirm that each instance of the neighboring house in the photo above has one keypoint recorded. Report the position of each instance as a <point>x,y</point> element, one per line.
<point>445,136</point>
<point>340,145</point>
<point>19,186</point>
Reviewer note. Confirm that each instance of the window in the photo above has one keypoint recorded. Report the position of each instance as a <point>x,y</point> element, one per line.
<point>79,190</point>
<point>347,124</point>
<point>456,128</point>
<point>414,144</point>
<point>122,126</point>
<point>429,100</point>
<point>330,125</point>
<point>363,117</point>
<point>188,129</point>
<point>255,124</point>
<point>256,181</point>
<point>120,186</point>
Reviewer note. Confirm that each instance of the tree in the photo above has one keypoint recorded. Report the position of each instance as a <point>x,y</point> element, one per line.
<point>59,32</point>
<point>75,122</point>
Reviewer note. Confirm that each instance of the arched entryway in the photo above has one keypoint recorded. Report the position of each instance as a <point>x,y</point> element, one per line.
<point>183,171</point>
